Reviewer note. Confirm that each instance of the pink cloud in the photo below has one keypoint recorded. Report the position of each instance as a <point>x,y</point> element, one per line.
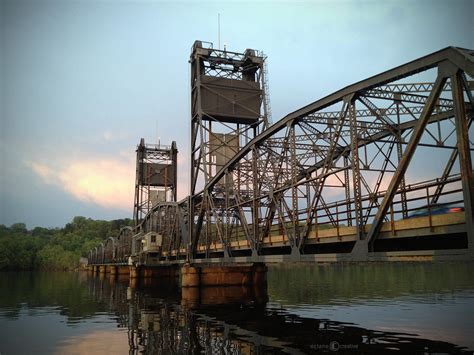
<point>45,172</point>
<point>105,182</point>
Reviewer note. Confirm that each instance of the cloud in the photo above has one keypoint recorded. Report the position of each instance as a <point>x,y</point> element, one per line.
<point>45,172</point>
<point>106,182</point>
<point>110,136</point>
<point>93,342</point>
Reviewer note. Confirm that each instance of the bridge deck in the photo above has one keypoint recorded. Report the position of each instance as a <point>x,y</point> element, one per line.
<point>276,248</point>
<point>437,225</point>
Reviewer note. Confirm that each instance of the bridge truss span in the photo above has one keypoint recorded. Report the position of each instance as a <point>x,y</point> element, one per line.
<point>349,161</point>
<point>379,170</point>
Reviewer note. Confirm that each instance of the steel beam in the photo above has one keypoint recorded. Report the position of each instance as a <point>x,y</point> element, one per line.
<point>356,175</point>
<point>347,190</point>
<point>464,153</point>
<point>407,156</point>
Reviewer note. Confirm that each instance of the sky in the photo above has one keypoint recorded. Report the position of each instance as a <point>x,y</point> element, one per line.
<point>83,81</point>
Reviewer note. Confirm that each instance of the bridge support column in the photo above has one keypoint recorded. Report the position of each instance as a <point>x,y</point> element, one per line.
<point>102,269</point>
<point>154,275</point>
<point>123,270</point>
<point>242,275</point>
<point>112,269</point>
<point>134,272</point>
<point>215,295</point>
<point>160,272</point>
<point>165,276</point>
<point>133,275</point>
<point>145,272</point>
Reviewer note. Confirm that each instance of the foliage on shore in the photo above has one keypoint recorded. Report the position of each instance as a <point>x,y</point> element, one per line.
<point>53,248</point>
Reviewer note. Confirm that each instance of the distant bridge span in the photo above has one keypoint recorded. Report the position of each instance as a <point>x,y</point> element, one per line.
<point>379,170</point>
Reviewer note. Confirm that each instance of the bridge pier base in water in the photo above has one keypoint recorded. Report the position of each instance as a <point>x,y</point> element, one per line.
<point>216,295</point>
<point>159,272</point>
<point>123,270</point>
<point>153,275</point>
<point>118,270</point>
<point>134,272</point>
<point>215,275</point>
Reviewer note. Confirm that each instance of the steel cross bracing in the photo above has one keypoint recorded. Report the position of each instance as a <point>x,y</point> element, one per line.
<point>351,162</point>
<point>152,161</point>
<point>228,108</point>
<point>376,131</point>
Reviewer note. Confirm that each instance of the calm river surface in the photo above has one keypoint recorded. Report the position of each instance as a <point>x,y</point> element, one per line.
<point>413,308</point>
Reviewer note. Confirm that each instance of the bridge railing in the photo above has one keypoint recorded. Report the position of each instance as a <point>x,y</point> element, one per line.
<point>343,161</point>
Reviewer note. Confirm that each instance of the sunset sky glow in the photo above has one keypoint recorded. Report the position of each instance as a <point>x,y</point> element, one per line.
<point>83,81</point>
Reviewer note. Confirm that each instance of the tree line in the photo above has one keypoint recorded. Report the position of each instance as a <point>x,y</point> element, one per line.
<point>53,248</point>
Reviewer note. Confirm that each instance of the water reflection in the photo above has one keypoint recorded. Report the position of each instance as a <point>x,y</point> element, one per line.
<point>334,284</point>
<point>192,297</point>
<point>433,300</point>
<point>308,309</point>
<point>238,320</point>
<point>96,342</point>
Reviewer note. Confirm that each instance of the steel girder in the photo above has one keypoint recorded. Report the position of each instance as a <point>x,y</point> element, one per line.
<point>169,219</point>
<point>359,141</point>
<point>298,162</point>
<point>124,244</point>
<point>110,250</point>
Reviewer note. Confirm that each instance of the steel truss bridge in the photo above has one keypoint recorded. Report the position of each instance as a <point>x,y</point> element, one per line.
<point>342,178</point>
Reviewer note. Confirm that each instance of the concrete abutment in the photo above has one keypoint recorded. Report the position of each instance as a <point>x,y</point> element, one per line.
<point>200,284</point>
<point>216,275</point>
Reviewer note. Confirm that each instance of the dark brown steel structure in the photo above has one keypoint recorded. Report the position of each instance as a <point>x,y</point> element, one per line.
<point>228,109</point>
<point>366,173</point>
<point>156,177</point>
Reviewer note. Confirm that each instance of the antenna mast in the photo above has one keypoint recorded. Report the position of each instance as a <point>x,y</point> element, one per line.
<point>219,31</point>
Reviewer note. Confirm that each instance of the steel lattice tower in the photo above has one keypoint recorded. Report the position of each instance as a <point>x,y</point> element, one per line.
<point>228,109</point>
<point>156,177</point>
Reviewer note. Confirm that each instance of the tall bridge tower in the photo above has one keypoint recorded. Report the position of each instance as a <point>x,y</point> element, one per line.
<point>228,109</point>
<point>156,177</point>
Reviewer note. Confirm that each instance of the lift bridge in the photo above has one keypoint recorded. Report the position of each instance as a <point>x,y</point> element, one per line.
<point>379,170</point>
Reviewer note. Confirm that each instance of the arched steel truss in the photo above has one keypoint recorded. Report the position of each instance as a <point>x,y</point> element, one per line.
<point>344,162</point>
<point>373,126</point>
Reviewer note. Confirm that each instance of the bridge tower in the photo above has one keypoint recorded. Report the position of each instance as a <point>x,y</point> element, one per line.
<point>228,109</point>
<point>156,177</point>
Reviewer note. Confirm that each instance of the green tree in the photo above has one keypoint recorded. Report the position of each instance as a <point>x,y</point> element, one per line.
<point>53,248</point>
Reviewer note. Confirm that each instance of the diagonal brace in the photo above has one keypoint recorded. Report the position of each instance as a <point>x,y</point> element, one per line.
<point>407,156</point>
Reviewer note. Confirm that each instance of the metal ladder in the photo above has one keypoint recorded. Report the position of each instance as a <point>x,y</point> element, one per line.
<point>266,89</point>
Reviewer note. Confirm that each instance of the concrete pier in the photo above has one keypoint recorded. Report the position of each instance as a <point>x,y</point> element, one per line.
<point>201,284</point>
<point>216,295</point>
<point>123,270</point>
<point>159,272</point>
<point>240,275</point>
<point>156,275</point>
<point>134,272</point>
